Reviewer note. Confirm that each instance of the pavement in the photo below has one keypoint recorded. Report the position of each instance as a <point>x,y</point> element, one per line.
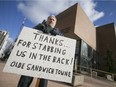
<point>11,80</point>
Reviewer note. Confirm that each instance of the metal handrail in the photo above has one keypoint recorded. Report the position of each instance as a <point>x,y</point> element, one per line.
<point>97,70</point>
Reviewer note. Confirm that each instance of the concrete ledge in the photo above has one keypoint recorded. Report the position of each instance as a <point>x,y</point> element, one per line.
<point>78,80</point>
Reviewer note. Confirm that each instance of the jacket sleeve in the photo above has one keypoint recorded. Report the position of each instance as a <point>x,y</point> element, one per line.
<point>56,31</point>
<point>41,27</point>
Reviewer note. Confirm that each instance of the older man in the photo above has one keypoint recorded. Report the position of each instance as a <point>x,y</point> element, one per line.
<point>47,27</point>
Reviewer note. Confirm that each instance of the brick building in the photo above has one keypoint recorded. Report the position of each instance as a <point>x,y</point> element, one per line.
<point>93,43</point>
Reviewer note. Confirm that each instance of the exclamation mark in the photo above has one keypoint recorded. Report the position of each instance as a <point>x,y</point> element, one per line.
<point>71,61</point>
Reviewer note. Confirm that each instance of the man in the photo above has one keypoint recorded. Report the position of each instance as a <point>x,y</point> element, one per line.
<point>47,27</point>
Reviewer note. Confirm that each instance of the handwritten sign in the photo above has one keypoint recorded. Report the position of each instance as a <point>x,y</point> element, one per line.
<point>42,56</point>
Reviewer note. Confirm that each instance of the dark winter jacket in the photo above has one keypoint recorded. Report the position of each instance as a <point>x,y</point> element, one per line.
<point>47,29</point>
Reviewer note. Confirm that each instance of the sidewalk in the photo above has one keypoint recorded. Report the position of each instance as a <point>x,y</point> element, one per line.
<point>11,80</point>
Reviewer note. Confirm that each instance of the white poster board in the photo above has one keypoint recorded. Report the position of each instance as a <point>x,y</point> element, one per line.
<point>42,56</point>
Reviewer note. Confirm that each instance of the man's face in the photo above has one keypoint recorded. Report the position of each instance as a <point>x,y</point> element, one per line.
<point>51,21</point>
